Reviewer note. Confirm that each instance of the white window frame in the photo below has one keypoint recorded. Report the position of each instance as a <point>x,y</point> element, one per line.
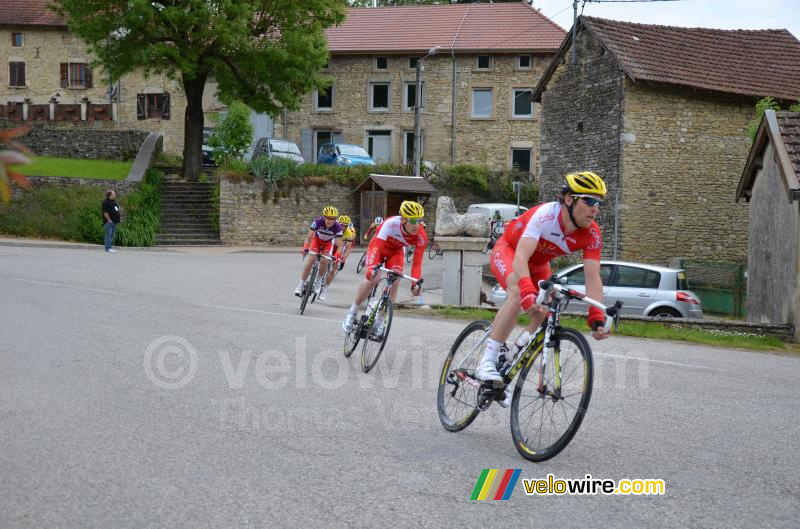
<point>318,108</point>
<point>372,85</point>
<point>478,60</point>
<point>519,62</point>
<point>407,108</point>
<point>315,141</point>
<point>375,63</point>
<point>514,114</point>
<point>474,89</point>
<point>530,157</point>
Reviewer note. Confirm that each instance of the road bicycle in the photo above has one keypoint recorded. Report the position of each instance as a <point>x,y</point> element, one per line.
<point>495,231</point>
<point>378,309</point>
<point>308,287</point>
<point>434,250</point>
<point>555,378</point>
<point>409,251</point>
<point>361,262</point>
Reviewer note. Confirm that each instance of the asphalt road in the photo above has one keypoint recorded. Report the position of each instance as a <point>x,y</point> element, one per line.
<point>160,389</point>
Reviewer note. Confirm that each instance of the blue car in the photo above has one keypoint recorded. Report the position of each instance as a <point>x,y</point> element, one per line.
<point>343,154</point>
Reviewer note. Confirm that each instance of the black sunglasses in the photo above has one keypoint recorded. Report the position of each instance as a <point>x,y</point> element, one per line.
<point>590,201</point>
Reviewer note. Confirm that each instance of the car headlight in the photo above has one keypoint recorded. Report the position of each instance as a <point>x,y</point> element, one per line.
<point>344,160</point>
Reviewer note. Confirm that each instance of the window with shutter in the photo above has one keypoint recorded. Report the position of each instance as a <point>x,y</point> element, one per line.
<point>141,110</point>
<point>16,74</point>
<point>64,75</point>
<point>89,83</point>
<point>164,106</point>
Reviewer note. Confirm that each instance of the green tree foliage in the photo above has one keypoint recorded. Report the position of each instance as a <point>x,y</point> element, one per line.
<point>385,3</point>
<point>267,53</point>
<point>232,134</point>
<point>762,105</point>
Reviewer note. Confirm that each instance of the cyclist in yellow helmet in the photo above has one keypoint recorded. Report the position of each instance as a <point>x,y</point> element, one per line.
<point>341,255</point>
<point>324,233</point>
<point>521,258</point>
<point>393,236</point>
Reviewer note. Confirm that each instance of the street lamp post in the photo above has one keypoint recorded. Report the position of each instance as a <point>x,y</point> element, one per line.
<point>418,109</point>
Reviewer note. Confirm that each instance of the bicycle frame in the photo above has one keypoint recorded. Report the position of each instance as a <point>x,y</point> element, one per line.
<point>555,296</point>
<point>391,277</point>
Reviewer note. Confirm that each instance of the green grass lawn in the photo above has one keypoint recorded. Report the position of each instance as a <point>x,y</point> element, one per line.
<point>655,330</point>
<point>51,166</point>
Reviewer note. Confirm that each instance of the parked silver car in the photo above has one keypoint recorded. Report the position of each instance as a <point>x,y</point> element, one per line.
<point>278,148</point>
<point>645,290</point>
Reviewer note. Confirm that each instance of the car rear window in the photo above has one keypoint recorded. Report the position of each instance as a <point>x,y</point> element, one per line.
<point>683,284</point>
<point>629,276</point>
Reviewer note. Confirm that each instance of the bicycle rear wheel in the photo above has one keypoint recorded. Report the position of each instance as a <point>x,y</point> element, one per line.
<point>431,251</point>
<point>545,415</point>
<point>409,254</point>
<point>457,399</point>
<point>308,290</point>
<point>361,263</point>
<point>373,345</point>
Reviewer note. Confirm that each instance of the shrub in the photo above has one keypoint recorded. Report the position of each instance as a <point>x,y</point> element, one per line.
<point>142,213</point>
<point>469,176</point>
<point>762,105</point>
<point>232,134</point>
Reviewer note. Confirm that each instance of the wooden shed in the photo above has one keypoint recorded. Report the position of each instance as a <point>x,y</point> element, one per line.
<point>381,195</point>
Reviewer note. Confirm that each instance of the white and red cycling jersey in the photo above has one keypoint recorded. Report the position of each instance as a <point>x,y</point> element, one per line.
<point>543,222</point>
<point>389,242</point>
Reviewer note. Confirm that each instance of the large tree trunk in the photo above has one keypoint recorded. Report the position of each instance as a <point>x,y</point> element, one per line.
<point>193,127</point>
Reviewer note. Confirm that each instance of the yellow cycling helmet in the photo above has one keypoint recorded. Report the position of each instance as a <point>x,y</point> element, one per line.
<point>330,211</point>
<point>586,183</point>
<point>411,210</point>
<point>344,220</point>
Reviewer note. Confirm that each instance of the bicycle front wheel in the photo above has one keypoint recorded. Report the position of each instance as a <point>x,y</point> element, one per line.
<point>431,251</point>
<point>352,338</point>
<point>549,403</point>
<point>374,343</point>
<point>308,291</point>
<point>456,399</point>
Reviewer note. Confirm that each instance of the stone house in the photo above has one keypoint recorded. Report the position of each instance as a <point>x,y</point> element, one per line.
<point>770,182</point>
<point>475,94</point>
<point>661,114</point>
<point>48,76</point>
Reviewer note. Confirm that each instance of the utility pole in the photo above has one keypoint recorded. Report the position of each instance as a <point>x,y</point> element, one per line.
<point>418,109</point>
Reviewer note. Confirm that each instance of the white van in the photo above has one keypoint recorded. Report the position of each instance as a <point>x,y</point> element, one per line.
<point>507,211</point>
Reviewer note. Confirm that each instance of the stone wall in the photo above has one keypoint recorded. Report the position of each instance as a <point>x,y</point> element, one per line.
<point>477,140</point>
<point>580,127</point>
<point>45,49</point>
<point>250,216</point>
<point>772,277</point>
<point>78,140</point>
<point>121,187</point>
<point>683,155</point>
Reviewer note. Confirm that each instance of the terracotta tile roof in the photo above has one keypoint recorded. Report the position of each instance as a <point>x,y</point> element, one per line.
<point>782,130</point>
<point>28,13</point>
<point>403,184</point>
<point>789,125</point>
<point>461,27</point>
<point>747,62</point>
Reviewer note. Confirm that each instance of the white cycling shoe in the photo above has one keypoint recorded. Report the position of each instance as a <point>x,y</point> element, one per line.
<point>323,293</point>
<point>506,402</point>
<point>487,372</point>
<point>299,290</point>
<point>347,324</point>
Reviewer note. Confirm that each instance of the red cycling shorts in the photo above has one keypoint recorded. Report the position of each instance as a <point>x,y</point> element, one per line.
<point>320,246</point>
<point>502,262</point>
<point>377,252</point>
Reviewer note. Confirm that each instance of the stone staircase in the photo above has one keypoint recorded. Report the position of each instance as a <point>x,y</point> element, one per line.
<point>186,214</point>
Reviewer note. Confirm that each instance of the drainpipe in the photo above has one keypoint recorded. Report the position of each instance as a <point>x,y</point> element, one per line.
<point>453,113</point>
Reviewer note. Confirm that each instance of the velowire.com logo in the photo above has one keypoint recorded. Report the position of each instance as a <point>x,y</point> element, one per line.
<point>495,484</point>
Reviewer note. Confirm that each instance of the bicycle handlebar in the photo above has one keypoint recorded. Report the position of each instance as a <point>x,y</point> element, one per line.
<point>323,255</point>
<point>552,286</point>
<point>384,269</point>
